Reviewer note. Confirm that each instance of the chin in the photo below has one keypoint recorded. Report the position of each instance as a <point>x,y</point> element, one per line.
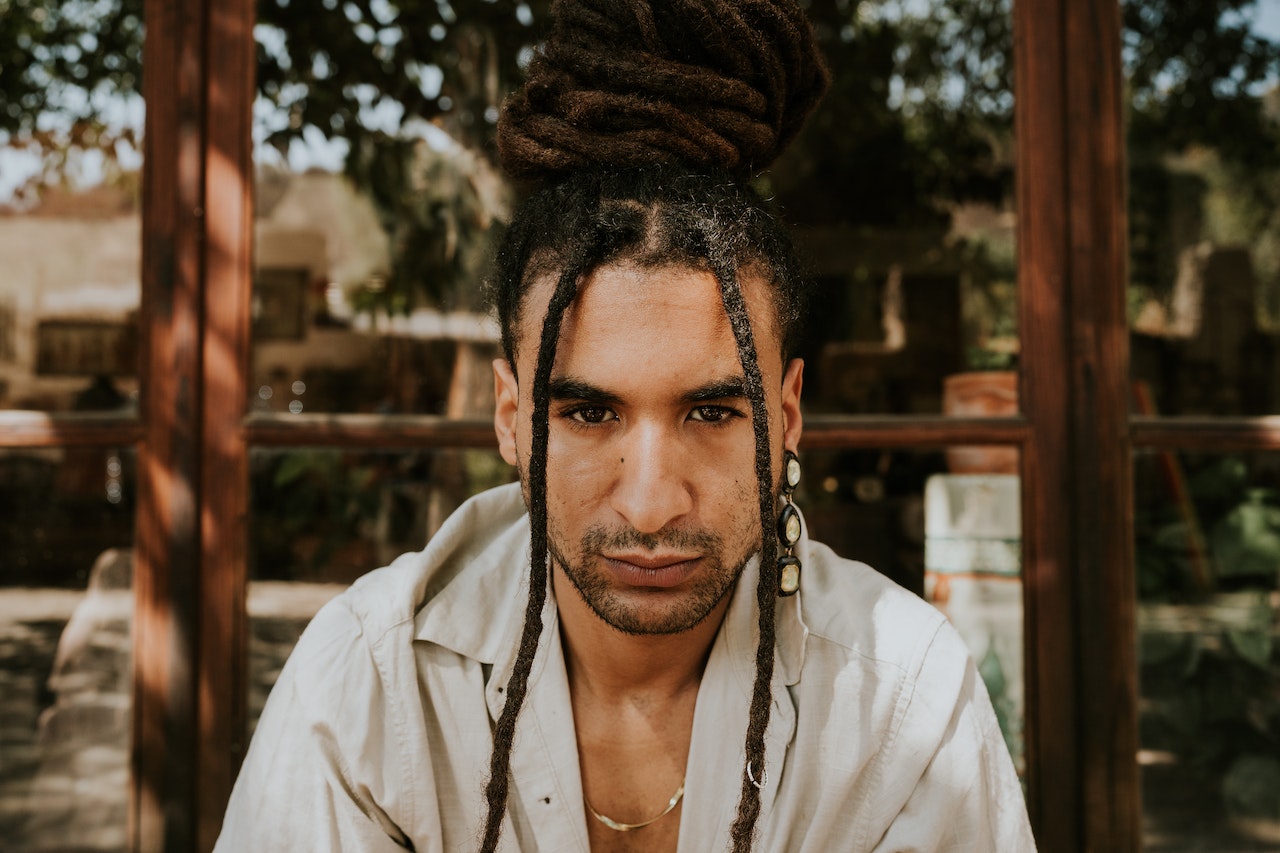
<point>654,612</point>
<point>648,621</point>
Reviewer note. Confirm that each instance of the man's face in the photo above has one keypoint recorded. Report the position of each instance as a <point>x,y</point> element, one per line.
<point>651,491</point>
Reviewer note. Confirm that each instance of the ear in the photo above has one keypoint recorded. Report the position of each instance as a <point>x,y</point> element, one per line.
<point>792,420</point>
<point>507,393</point>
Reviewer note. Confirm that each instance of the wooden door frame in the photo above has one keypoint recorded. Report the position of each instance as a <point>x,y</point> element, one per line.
<point>166,553</point>
<point>1077,509</point>
<point>223,660</point>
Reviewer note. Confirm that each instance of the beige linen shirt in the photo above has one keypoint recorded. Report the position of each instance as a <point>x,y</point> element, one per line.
<point>377,735</point>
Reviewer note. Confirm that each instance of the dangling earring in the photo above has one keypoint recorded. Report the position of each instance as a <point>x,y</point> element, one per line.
<point>789,527</point>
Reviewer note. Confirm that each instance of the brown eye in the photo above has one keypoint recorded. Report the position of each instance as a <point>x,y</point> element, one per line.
<point>710,414</point>
<point>591,414</point>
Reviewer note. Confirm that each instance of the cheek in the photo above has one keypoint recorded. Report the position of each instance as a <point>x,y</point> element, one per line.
<point>576,481</point>
<point>728,504</point>
<point>745,514</point>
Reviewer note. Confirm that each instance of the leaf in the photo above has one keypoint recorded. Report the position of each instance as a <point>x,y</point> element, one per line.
<point>1156,647</point>
<point>292,467</point>
<point>1254,645</point>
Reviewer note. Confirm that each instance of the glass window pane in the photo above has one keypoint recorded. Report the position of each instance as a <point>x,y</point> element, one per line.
<point>66,688</point>
<point>379,200</point>
<point>1208,555</point>
<point>378,203</point>
<point>944,525</point>
<point>320,518</point>
<point>71,119</point>
<point>1204,206</point>
<point>902,185</point>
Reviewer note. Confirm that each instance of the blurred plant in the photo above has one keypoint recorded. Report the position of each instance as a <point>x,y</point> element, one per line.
<point>1211,696</point>
<point>330,514</point>
<point>1230,520</point>
<point>1208,658</point>
<point>307,505</point>
<point>1251,787</point>
<point>70,78</point>
<point>439,204</point>
<point>919,115</point>
<point>1204,143</point>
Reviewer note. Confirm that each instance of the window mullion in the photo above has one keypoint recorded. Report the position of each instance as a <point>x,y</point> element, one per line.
<point>228,246</point>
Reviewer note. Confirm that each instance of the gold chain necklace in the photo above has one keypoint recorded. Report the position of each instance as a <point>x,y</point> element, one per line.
<point>627,827</point>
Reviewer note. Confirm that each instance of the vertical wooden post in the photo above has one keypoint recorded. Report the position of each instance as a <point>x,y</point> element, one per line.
<point>1047,470</point>
<point>1104,571</point>
<point>1077,479</point>
<point>228,250</point>
<point>167,555</point>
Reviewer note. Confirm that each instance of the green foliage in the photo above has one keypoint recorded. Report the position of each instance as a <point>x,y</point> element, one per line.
<point>919,114</point>
<point>1195,76</point>
<point>919,117</point>
<point>321,498</point>
<point>1246,542</point>
<point>989,304</point>
<point>66,71</point>
<point>325,514</point>
<point>439,208</point>
<point>993,676</point>
<point>1240,526</point>
<point>1252,787</point>
<point>1208,658</point>
<point>365,72</point>
<point>331,65</point>
<point>55,55</point>
<point>1254,644</point>
<point>1204,144</point>
<point>1211,684</point>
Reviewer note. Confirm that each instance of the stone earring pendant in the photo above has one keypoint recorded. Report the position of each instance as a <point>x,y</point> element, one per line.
<point>789,527</point>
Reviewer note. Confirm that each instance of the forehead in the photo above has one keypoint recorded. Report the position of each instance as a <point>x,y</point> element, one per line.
<point>629,306</point>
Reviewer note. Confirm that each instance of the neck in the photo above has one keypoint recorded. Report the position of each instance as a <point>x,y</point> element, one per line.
<point>608,663</point>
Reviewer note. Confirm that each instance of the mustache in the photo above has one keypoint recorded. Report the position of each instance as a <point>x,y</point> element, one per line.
<point>598,539</point>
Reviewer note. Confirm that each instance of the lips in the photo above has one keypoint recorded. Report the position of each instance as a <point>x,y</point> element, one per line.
<point>651,570</point>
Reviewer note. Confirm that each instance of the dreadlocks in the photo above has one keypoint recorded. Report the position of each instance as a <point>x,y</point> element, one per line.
<point>643,120</point>
<point>721,84</point>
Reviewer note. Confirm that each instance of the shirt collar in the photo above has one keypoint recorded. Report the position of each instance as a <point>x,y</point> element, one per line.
<point>478,564</point>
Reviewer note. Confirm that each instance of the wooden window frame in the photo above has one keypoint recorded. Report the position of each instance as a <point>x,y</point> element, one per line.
<point>1075,432</point>
<point>1071,267</point>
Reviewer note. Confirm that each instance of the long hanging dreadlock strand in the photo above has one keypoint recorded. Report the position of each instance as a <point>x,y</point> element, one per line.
<point>743,830</point>
<point>504,732</point>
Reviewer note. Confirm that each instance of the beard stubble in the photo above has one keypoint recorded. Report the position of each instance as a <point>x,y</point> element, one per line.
<point>712,582</point>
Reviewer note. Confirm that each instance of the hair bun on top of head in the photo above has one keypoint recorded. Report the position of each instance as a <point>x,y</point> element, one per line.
<point>720,84</point>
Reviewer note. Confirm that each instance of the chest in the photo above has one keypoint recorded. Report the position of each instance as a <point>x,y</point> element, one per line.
<point>633,763</point>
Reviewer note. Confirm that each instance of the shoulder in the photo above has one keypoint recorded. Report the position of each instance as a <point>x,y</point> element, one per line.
<point>346,714</point>
<point>371,625</point>
<point>895,716</point>
<point>878,653</point>
<point>852,607</point>
<point>479,538</point>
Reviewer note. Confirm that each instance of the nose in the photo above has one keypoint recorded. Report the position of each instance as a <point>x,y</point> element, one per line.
<point>651,489</point>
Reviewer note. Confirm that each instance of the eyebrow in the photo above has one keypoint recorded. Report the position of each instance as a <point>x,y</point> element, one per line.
<point>731,387</point>
<point>570,388</point>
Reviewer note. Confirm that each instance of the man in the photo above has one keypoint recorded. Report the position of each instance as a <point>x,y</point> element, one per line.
<point>612,656</point>
<point>881,735</point>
